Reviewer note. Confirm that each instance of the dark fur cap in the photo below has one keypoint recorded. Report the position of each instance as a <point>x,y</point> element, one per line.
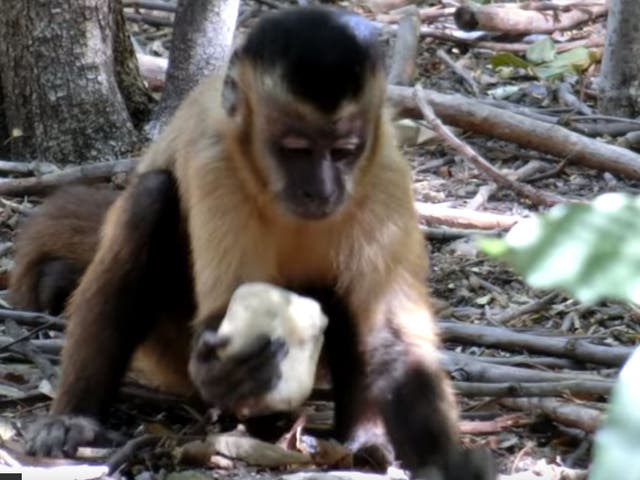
<point>324,55</point>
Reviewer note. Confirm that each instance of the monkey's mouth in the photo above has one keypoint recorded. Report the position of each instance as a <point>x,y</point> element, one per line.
<point>310,208</point>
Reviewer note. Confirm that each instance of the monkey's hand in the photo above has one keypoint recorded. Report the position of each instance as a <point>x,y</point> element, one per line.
<point>228,382</point>
<point>61,435</point>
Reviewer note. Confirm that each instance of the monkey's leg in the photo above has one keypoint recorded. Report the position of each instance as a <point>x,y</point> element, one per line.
<point>55,245</point>
<point>114,309</point>
<point>404,376</point>
<point>356,419</point>
<point>58,278</point>
<point>414,397</point>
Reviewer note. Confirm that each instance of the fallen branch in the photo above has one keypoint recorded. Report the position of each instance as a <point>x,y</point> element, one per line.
<point>512,19</point>
<point>26,168</point>
<point>405,50</point>
<point>455,36</point>
<point>499,424</point>
<point>448,233</point>
<point>472,115</point>
<point>535,196</point>
<point>427,15</point>
<point>538,389</point>
<point>434,214</point>
<point>90,173</point>
<point>153,69</point>
<point>534,362</point>
<point>470,368</point>
<point>380,6</point>
<point>566,413</point>
<point>576,348</point>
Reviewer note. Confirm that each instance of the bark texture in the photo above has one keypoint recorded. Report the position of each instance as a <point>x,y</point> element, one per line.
<point>60,90</point>
<point>620,75</point>
<point>4,130</point>
<point>202,40</point>
<point>137,96</point>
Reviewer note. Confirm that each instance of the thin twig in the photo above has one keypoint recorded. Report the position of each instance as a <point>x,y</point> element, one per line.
<point>26,336</point>
<point>535,196</point>
<point>458,70</point>
<point>32,318</point>
<point>532,307</point>
<point>30,351</point>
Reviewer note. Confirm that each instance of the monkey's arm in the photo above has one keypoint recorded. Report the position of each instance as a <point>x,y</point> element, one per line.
<point>410,389</point>
<point>113,309</point>
<point>406,379</point>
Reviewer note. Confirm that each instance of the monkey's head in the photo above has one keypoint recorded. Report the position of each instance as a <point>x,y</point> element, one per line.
<point>307,89</point>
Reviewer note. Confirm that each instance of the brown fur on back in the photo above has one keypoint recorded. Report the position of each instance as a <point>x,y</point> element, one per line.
<point>65,227</point>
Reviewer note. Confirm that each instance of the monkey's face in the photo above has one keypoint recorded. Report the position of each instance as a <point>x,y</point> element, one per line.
<point>313,162</point>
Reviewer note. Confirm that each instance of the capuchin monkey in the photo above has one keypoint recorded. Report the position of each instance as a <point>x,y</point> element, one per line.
<point>285,171</point>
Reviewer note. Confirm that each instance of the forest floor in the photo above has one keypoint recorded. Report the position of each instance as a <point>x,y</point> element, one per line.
<point>546,435</point>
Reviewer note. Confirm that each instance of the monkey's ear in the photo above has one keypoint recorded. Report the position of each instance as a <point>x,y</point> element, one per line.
<point>230,90</point>
<point>230,93</point>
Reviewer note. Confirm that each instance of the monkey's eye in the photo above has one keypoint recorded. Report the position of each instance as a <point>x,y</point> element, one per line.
<point>295,153</point>
<point>294,147</point>
<point>342,154</point>
<point>345,149</point>
<point>293,142</point>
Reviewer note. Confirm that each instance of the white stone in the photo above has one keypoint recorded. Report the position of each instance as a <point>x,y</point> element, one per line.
<point>264,309</point>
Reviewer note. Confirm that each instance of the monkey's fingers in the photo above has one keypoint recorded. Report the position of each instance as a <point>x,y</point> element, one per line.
<point>208,344</point>
<point>61,435</point>
<point>260,374</point>
<point>251,373</point>
<point>262,349</point>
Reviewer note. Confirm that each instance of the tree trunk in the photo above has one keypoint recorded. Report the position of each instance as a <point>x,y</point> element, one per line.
<point>137,96</point>
<point>620,75</point>
<point>4,130</point>
<point>57,64</point>
<point>201,44</point>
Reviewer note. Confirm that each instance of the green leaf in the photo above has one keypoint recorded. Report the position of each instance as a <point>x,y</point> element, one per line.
<point>541,51</point>
<point>506,59</point>
<point>590,250</point>
<point>572,62</point>
<point>494,247</point>
<point>617,444</point>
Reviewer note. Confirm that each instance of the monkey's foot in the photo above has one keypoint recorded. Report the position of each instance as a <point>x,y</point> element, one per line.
<point>463,464</point>
<point>61,435</point>
<point>370,446</point>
